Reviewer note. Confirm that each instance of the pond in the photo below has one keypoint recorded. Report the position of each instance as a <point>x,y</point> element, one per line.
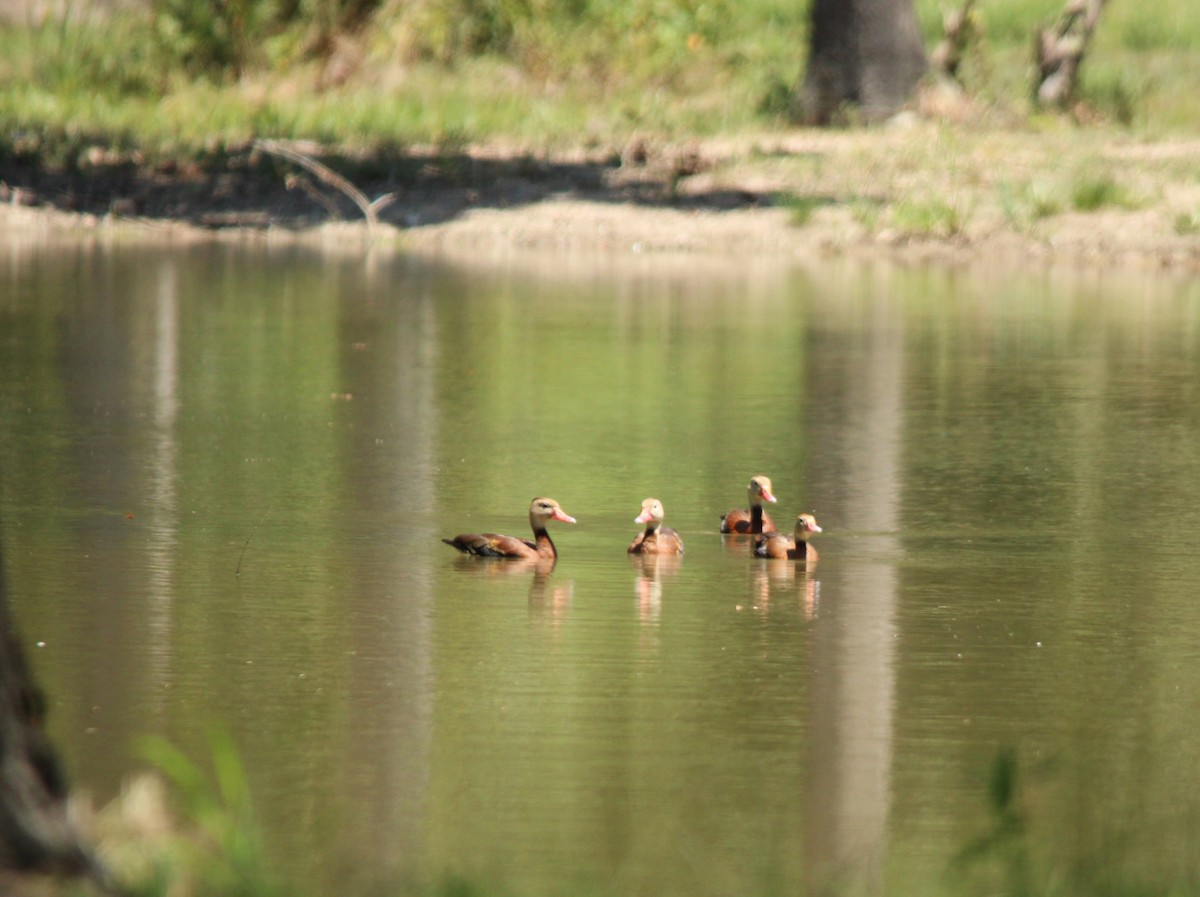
<point>225,474</point>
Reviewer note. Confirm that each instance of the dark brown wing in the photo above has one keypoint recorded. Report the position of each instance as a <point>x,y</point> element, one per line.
<point>491,545</point>
<point>736,521</point>
<point>669,541</point>
<point>742,521</point>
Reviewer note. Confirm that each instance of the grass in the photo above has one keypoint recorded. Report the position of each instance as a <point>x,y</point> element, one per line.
<point>1092,192</point>
<point>1025,204</point>
<point>543,73</point>
<point>1091,188</point>
<point>1187,224</point>
<point>800,208</point>
<point>929,217</point>
<point>209,844</point>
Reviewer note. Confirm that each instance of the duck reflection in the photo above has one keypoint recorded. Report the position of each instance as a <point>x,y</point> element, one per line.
<point>551,601</point>
<point>739,544</point>
<point>496,566</point>
<point>651,568</point>
<point>776,580</point>
<point>554,601</point>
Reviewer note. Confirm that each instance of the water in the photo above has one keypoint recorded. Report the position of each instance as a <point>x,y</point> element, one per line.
<point>225,474</point>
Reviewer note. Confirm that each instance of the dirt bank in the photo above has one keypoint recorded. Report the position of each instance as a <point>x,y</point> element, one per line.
<point>917,191</point>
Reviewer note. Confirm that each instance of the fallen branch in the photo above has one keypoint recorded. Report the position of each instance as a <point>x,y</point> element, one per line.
<point>303,184</point>
<point>369,208</point>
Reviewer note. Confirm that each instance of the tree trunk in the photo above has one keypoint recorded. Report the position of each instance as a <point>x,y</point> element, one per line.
<point>37,833</point>
<point>960,32</point>
<point>863,54</point>
<point>1059,52</point>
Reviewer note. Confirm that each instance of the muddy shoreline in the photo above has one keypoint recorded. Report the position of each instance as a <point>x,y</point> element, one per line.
<point>730,198</point>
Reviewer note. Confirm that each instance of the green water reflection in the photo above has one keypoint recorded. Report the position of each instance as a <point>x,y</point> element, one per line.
<point>225,474</point>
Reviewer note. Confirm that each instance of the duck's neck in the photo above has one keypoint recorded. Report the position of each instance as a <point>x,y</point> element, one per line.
<point>545,546</point>
<point>652,530</point>
<point>756,517</point>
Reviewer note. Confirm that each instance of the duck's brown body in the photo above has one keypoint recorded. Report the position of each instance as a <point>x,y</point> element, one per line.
<point>665,541</point>
<point>755,520</point>
<point>751,520</point>
<point>656,538</point>
<point>792,548</point>
<point>492,545</point>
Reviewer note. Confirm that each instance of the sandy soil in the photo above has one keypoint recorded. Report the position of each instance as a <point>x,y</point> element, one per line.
<point>918,191</point>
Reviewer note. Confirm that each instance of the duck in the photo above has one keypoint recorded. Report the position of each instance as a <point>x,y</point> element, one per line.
<point>656,539</point>
<point>794,547</point>
<point>491,545</point>
<point>753,520</point>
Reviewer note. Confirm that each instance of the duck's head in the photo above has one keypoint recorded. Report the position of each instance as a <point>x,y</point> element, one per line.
<point>806,524</point>
<point>652,512</point>
<point>542,510</point>
<point>759,490</point>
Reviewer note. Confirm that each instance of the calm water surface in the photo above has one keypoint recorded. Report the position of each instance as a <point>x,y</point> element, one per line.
<point>224,475</point>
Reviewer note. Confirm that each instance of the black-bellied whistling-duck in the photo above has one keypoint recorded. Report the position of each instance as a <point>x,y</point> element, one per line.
<point>656,539</point>
<point>795,547</point>
<point>751,520</point>
<point>490,545</point>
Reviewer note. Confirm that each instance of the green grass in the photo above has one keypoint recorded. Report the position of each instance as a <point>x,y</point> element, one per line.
<point>1187,224</point>
<point>929,217</point>
<point>218,847</point>
<point>1089,189</point>
<point>1027,203</point>
<point>867,214</point>
<point>535,71</point>
<point>800,208</point>
<point>1091,192</point>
